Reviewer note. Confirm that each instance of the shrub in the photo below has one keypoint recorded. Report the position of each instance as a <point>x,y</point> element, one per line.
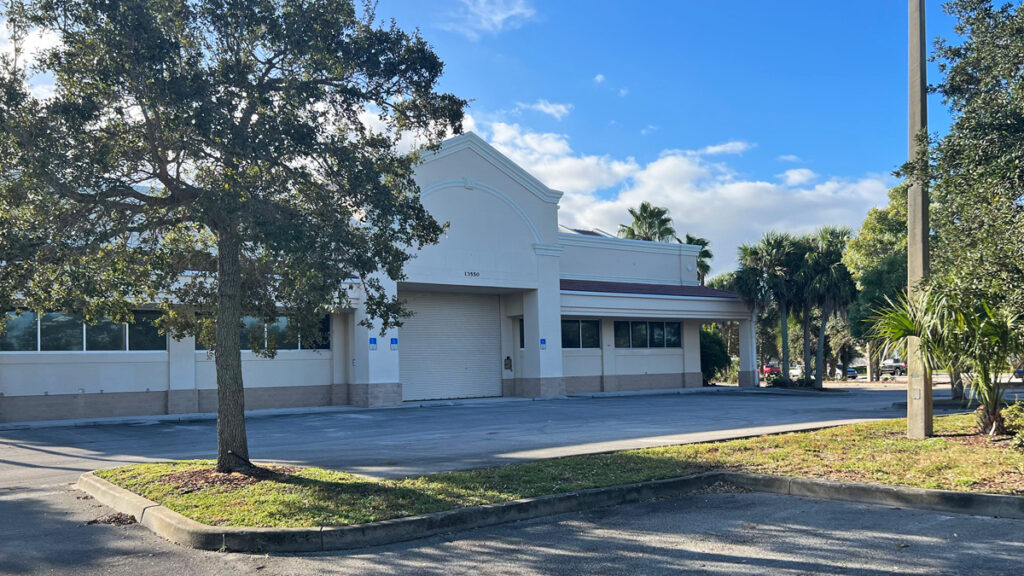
<point>714,355</point>
<point>1018,442</point>
<point>1013,418</point>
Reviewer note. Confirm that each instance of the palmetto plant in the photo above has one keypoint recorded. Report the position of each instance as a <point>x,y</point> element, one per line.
<point>650,222</point>
<point>975,339</point>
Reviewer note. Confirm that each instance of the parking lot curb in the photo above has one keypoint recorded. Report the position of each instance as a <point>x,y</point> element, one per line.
<point>995,505</point>
<point>177,528</point>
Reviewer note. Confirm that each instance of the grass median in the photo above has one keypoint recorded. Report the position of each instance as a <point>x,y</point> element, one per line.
<point>876,453</point>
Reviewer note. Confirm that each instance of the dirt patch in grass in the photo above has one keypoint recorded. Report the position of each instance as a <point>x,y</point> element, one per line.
<point>192,479</point>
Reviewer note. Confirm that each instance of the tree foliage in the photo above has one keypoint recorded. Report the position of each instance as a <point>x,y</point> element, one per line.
<point>976,171</point>
<point>704,256</point>
<point>216,156</point>
<point>650,222</point>
<point>714,354</point>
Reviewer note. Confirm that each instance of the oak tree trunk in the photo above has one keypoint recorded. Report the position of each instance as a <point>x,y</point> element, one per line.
<point>232,445</point>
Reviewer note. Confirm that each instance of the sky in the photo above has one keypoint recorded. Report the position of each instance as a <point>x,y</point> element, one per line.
<point>739,116</point>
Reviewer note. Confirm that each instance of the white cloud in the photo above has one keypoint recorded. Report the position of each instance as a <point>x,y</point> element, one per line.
<point>623,92</point>
<point>789,158</point>
<point>733,147</point>
<point>33,44</point>
<point>555,110</point>
<point>648,129</point>
<point>797,176</point>
<point>479,17</point>
<point>550,158</point>
<point>599,78</point>
<point>704,196</point>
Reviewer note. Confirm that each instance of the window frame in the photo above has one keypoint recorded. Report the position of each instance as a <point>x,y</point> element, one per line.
<point>84,328</point>
<point>676,325</point>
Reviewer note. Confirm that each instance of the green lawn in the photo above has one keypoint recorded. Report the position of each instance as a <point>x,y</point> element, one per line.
<point>875,453</point>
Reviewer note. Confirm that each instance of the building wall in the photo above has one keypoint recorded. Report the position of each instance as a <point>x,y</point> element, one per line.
<point>619,260</point>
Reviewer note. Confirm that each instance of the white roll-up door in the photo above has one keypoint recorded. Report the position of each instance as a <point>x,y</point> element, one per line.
<point>450,347</point>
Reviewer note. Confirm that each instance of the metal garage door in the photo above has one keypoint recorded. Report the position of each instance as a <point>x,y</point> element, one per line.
<point>451,347</point>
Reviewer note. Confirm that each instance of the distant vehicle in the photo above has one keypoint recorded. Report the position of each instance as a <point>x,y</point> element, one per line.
<point>796,373</point>
<point>893,367</point>
<point>851,373</point>
<point>1019,373</point>
<point>770,369</point>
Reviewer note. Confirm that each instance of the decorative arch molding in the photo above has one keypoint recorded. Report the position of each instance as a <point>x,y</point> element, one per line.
<point>471,141</point>
<point>471,184</point>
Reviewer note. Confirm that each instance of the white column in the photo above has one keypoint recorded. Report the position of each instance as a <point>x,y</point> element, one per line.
<point>748,354</point>
<point>609,373</point>
<point>182,396</point>
<point>341,358</point>
<point>692,377</point>
<point>542,316</point>
<point>374,372</point>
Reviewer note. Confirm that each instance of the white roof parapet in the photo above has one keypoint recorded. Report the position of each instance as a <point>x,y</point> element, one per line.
<point>499,160</point>
<point>614,243</point>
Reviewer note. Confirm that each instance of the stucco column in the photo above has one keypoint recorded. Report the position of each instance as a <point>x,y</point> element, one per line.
<point>182,396</point>
<point>609,378</point>
<point>341,358</point>
<point>748,354</point>
<point>542,318</point>
<point>374,373</point>
<point>692,377</point>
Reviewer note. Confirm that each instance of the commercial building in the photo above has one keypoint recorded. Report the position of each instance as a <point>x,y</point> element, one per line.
<point>507,304</point>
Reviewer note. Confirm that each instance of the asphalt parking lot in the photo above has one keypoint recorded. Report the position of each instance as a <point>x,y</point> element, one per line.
<point>47,530</point>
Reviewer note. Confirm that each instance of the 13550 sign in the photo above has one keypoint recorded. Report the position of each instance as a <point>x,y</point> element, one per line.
<point>472,274</point>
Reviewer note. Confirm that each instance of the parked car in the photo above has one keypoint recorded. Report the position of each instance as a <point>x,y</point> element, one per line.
<point>768,369</point>
<point>893,367</point>
<point>1019,373</point>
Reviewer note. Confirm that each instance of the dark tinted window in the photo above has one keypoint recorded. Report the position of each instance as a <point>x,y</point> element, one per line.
<point>252,329</point>
<point>570,333</point>
<point>104,335</point>
<point>143,333</point>
<point>622,334</point>
<point>522,335</point>
<point>323,342</point>
<point>638,334</point>
<point>590,333</point>
<point>673,336</point>
<point>283,335</point>
<point>60,332</point>
<point>19,333</point>
<point>657,330</point>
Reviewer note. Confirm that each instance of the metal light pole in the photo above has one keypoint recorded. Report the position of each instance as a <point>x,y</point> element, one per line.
<point>919,384</point>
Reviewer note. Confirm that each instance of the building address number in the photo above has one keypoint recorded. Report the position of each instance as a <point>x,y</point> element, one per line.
<point>472,274</point>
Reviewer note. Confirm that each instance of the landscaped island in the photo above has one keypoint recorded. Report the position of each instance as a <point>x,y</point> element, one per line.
<point>876,453</point>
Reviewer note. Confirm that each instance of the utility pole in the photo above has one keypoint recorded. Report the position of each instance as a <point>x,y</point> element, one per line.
<point>919,383</point>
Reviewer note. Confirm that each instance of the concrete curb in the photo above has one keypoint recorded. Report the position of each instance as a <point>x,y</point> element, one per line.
<point>177,528</point>
<point>995,505</point>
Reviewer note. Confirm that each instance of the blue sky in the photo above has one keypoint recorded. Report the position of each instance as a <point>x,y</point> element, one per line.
<point>740,116</point>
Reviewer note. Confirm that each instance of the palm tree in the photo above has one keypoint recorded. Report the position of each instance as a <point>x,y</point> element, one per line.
<point>650,223</point>
<point>832,285</point>
<point>773,262</point>
<point>703,257</point>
